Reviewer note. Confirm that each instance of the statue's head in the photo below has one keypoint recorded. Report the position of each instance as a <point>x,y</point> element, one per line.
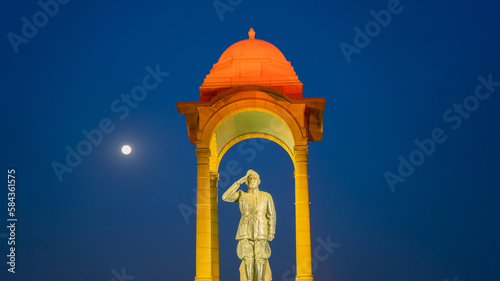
<point>253,180</point>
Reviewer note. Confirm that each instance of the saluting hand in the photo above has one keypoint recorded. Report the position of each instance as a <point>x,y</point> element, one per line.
<point>242,180</point>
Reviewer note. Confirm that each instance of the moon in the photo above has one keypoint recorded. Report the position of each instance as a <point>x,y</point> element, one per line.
<point>126,149</point>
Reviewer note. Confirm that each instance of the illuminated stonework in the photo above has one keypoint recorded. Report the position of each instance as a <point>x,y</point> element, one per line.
<point>251,92</point>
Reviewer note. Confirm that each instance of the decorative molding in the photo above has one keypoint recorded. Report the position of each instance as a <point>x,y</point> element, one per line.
<point>203,152</point>
<point>214,176</point>
<point>301,149</point>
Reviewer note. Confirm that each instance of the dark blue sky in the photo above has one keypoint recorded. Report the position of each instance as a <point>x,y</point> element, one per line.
<point>115,212</point>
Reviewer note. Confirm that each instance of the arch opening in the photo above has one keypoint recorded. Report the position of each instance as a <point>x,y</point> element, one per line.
<point>276,172</point>
<point>251,124</point>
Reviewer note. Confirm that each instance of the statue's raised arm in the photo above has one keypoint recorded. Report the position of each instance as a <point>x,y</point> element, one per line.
<point>231,195</point>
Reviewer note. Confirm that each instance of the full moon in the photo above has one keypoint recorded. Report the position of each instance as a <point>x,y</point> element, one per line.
<point>126,149</point>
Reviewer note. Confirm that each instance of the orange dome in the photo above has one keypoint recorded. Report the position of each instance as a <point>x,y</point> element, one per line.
<point>252,48</point>
<point>251,62</point>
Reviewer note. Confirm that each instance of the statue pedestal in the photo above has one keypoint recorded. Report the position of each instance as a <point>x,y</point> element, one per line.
<point>267,273</point>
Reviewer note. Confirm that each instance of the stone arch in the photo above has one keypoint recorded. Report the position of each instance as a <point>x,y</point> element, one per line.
<point>257,105</point>
<point>253,79</point>
<point>252,136</point>
<point>250,101</point>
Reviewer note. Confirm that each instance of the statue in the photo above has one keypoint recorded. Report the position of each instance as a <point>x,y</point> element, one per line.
<point>257,226</point>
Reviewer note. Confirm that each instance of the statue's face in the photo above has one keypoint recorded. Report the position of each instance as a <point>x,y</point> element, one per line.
<point>252,182</point>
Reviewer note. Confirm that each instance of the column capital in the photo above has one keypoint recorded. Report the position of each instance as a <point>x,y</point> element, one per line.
<point>214,176</point>
<point>301,149</point>
<point>300,153</point>
<point>203,152</point>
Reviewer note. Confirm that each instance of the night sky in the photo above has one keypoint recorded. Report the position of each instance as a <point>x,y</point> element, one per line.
<point>420,87</point>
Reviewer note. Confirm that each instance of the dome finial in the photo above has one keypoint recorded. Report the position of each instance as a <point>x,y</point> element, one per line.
<point>251,33</point>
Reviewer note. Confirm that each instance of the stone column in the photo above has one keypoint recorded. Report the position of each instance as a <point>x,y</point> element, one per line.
<point>302,217</point>
<point>214,178</point>
<point>203,218</point>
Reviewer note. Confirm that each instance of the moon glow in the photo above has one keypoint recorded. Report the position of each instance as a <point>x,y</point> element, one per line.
<point>126,149</point>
